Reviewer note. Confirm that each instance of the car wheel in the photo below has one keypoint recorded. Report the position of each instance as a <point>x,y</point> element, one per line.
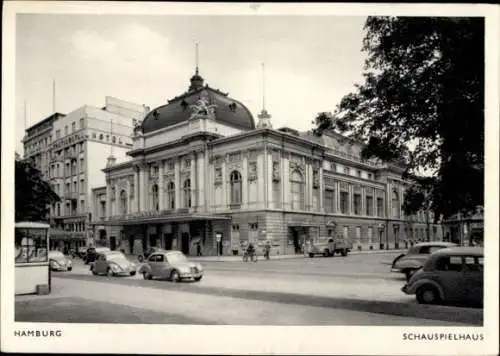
<point>147,276</point>
<point>93,271</point>
<point>311,255</point>
<point>174,276</point>
<point>344,253</point>
<point>326,253</point>
<point>197,279</point>
<point>110,273</point>
<point>427,295</point>
<point>70,268</point>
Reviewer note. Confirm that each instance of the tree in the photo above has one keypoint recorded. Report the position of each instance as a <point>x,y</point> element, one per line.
<point>422,101</point>
<point>33,195</point>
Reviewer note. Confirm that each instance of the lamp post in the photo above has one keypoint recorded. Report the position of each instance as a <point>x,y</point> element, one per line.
<point>380,231</point>
<point>396,237</point>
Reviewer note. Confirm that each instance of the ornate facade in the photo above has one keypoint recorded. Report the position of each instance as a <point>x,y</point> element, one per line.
<point>201,168</point>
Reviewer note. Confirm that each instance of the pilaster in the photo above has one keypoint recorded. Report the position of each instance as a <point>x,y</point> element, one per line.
<point>161,187</point>
<point>177,181</point>
<point>244,182</point>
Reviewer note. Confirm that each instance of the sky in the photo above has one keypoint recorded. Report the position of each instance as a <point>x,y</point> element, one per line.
<point>311,62</point>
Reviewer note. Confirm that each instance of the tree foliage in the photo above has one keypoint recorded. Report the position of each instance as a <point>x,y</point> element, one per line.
<point>422,101</point>
<point>33,195</point>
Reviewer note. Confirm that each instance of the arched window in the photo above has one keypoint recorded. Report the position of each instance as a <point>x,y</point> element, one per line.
<point>395,204</point>
<point>154,190</point>
<point>171,195</point>
<point>236,191</point>
<point>187,193</point>
<point>123,202</point>
<point>297,183</point>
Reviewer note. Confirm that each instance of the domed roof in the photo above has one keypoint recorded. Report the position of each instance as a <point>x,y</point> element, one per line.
<point>227,111</point>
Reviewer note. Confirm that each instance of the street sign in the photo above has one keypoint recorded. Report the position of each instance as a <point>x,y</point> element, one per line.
<point>218,236</point>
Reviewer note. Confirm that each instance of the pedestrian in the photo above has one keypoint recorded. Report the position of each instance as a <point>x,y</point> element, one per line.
<point>198,249</point>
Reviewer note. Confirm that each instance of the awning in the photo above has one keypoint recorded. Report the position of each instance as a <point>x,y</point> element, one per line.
<point>162,219</point>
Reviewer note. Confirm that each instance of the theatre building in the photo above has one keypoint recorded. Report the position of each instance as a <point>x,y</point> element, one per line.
<point>201,170</point>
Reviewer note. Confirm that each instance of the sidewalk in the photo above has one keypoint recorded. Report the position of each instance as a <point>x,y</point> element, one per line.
<point>275,257</point>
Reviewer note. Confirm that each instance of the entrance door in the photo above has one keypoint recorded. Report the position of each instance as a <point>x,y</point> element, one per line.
<point>152,240</point>
<point>185,243</point>
<point>131,244</point>
<point>112,243</point>
<point>102,237</point>
<point>296,243</point>
<point>167,238</point>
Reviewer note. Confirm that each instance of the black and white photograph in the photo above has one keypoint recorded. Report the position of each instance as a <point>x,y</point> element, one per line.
<point>250,178</point>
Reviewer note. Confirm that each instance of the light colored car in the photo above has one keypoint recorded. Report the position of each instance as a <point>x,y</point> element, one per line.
<point>59,262</point>
<point>450,275</point>
<point>172,265</point>
<point>112,263</point>
<point>407,263</point>
<point>329,248</point>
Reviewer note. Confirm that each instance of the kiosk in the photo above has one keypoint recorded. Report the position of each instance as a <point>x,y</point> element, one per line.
<point>31,260</point>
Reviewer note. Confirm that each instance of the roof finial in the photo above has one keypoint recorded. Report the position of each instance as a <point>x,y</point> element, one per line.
<point>264,117</point>
<point>196,50</point>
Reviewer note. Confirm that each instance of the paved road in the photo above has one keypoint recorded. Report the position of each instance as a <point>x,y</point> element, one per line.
<point>356,290</point>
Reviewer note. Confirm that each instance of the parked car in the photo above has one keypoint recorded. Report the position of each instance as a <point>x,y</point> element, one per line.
<point>59,262</point>
<point>93,252</point>
<point>452,274</point>
<point>148,253</point>
<point>112,263</point>
<point>81,251</point>
<point>329,248</point>
<point>173,265</point>
<point>407,263</point>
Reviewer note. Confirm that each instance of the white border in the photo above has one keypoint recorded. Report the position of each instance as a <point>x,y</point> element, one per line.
<point>264,339</point>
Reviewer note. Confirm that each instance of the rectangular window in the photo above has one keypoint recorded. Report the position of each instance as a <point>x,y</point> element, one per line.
<point>369,205</point>
<point>346,232</point>
<point>82,185</point>
<point>66,129</point>
<point>82,164</point>
<point>380,207</point>
<point>82,145</point>
<point>73,126</point>
<point>370,235</point>
<point>346,170</point>
<point>58,134</point>
<point>357,204</point>
<point>329,201</point>
<point>82,123</point>
<point>344,202</point>
<point>358,234</point>
<point>31,245</point>
<point>171,165</point>
<point>253,232</point>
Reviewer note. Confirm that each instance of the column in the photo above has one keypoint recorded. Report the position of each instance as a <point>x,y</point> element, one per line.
<point>108,200</point>
<point>351,198</point>
<point>269,179</point>
<point>192,177</point>
<point>285,176</point>
<point>177,180</point>
<point>337,196</point>
<point>129,201</point>
<point>161,186</point>
<point>374,202</point>
<point>202,181</point>
<point>321,189</point>
<point>363,200</point>
<point>142,188</point>
<point>245,184</point>
<point>224,183</point>
<point>265,181</point>
<point>261,179</point>
<point>116,206</point>
<point>136,190</point>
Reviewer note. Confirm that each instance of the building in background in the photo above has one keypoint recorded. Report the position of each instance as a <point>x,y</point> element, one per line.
<point>202,172</point>
<point>79,144</point>
<point>37,142</point>
<point>465,229</point>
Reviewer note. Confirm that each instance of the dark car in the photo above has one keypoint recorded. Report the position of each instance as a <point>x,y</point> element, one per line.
<point>93,252</point>
<point>148,253</point>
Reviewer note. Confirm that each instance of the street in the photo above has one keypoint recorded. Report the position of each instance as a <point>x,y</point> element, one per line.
<point>354,290</point>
